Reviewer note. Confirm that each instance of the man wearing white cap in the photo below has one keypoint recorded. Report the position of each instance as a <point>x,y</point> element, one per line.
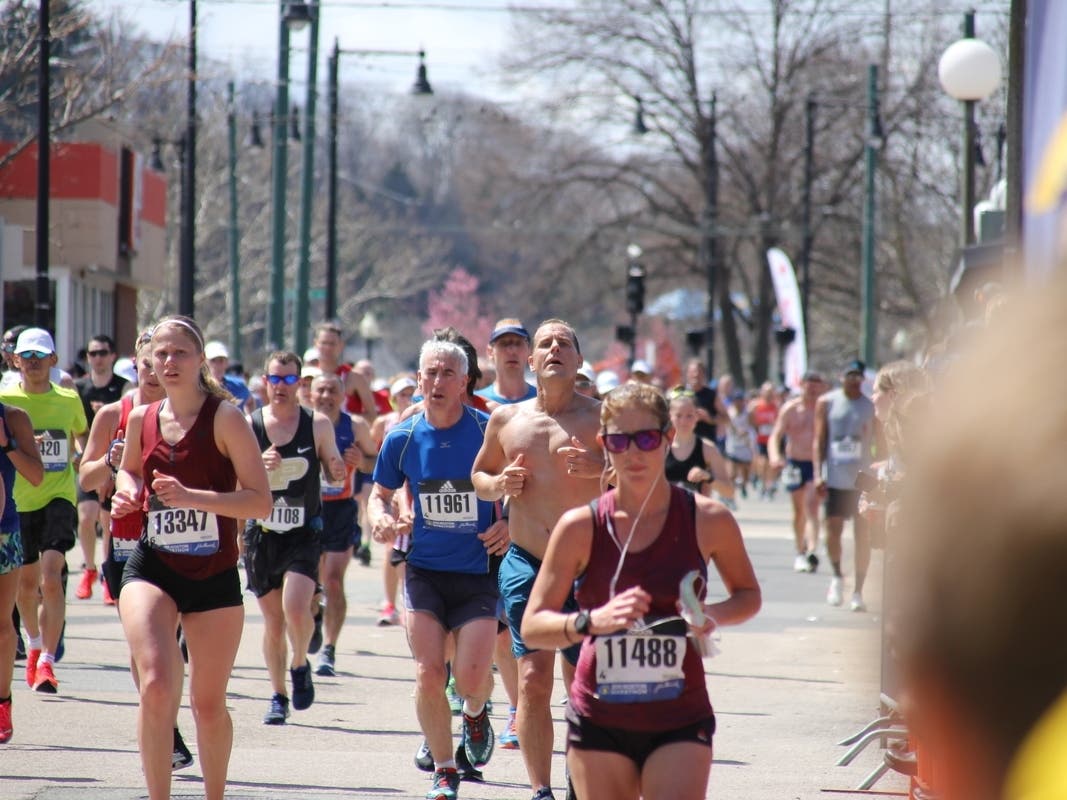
<point>47,515</point>
<point>641,371</point>
<point>509,350</point>
<point>218,359</point>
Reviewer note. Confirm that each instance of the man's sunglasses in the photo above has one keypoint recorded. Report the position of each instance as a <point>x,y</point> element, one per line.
<point>98,353</point>
<point>288,380</point>
<point>26,355</point>
<point>647,440</point>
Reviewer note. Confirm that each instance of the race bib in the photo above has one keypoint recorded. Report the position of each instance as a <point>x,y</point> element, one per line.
<point>765,430</point>
<point>449,505</point>
<point>188,531</point>
<point>122,549</point>
<point>791,475</point>
<point>333,488</point>
<point>287,514</point>
<point>55,449</point>
<point>846,450</point>
<point>639,667</point>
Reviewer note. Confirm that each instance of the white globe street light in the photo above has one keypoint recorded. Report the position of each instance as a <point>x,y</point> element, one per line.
<point>969,71</point>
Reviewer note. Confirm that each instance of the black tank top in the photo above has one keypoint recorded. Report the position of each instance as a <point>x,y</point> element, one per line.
<point>678,471</point>
<point>300,464</point>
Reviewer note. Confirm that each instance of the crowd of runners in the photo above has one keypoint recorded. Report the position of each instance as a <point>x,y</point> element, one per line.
<point>571,513</point>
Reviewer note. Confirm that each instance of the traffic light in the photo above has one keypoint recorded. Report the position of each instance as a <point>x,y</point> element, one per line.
<point>635,289</point>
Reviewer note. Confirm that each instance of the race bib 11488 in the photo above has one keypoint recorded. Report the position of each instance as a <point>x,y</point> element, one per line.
<point>639,667</point>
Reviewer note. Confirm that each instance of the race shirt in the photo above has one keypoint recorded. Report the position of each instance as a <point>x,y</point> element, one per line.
<point>58,417</point>
<point>294,484</point>
<point>436,463</point>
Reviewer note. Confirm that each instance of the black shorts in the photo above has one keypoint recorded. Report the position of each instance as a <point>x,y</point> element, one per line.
<point>842,503</point>
<point>50,528</point>
<point>762,447</point>
<point>453,598</point>
<point>111,568</point>
<point>190,596</point>
<point>582,734</point>
<point>269,555</point>
<point>340,525</point>
<point>803,471</point>
<point>84,496</point>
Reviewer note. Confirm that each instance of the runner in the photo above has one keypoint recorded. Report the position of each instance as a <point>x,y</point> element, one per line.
<point>845,429</point>
<point>282,549</point>
<point>509,352</point>
<point>340,528</point>
<point>448,584</point>
<point>183,461</point>
<point>329,341</point>
<point>692,462</point>
<point>100,462</point>
<point>218,360</point>
<point>763,412</point>
<point>99,387</point>
<point>656,743</point>
<point>796,424</point>
<point>542,455</point>
<point>47,517</point>
<point>18,451</point>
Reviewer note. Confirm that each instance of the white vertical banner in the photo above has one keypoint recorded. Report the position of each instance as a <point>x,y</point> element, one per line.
<point>791,314</point>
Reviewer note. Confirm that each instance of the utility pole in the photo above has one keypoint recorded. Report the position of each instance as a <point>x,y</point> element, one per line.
<point>868,323</point>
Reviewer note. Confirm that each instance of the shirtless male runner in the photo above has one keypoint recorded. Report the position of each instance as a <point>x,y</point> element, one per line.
<point>542,457</point>
<point>796,422</point>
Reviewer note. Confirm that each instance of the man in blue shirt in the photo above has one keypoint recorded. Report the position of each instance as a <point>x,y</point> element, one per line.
<point>448,583</point>
<point>509,350</point>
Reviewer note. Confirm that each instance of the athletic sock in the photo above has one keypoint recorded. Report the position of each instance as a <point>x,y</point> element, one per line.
<point>468,707</point>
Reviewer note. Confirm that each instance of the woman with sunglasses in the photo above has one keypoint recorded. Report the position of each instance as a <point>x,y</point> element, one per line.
<point>191,463</point>
<point>639,719</point>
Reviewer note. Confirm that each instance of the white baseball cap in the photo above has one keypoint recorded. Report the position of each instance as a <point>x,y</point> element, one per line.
<point>35,339</point>
<point>125,368</point>
<point>215,349</point>
<point>311,354</point>
<point>401,384</point>
<point>641,366</point>
<point>606,381</point>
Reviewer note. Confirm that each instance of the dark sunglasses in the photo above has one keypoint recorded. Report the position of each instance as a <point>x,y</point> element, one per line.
<point>620,442</point>
<point>26,355</point>
<point>98,353</point>
<point>288,380</point>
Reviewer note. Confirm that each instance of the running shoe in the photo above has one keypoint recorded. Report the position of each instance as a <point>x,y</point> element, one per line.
<point>32,658</point>
<point>278,712</point>
<point>467,771</point>
<point>833,594</point>
<point>362,555</point>
<point>85,585</point>
<point>326,663</point>
<point>509,737</point>
<point>20,646</point>
<point>445,785</point>
<point>61,648</point>
<point>181,757</point>
<point>455,702</point>
<point>106,594</point>
<point>316,639</point>
<point>813,562</point>
<point>544,793</point>
<point>6,731</point>
<point>424,758</point>
<point>800,563</point>
<point>857,603</point>
<point>303,688</point>
<point>389,615</point>
<point>45,680</point>
<point>478,739</point>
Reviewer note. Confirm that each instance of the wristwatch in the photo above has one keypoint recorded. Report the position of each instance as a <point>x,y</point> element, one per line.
<point>7,448</point>
<point>582,622</point>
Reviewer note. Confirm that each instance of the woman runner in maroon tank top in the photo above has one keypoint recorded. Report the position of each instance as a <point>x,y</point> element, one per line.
<point>639,719</point>
<point>185,566</point>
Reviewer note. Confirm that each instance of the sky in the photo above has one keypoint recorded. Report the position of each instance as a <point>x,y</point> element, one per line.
<point>462,38</point>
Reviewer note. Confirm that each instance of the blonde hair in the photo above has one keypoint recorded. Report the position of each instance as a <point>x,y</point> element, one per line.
<point>189,328</point>
<point>640,396</point>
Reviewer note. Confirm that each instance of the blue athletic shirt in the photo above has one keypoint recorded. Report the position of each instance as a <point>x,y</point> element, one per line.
<point>9,521</point>
<point>489,393</point>
<point>437,464</point>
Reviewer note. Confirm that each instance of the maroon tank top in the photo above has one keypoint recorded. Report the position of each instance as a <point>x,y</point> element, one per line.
<point>129,526</point>
<point>657,569</point>
<point>196,462</point>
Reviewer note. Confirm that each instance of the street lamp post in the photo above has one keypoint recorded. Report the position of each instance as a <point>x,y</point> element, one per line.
<point>709,246</point>
<point>635,294</point>
<point>969,71</point>
<point>420,87</point>
<point>370,331</point>
<point>42,316</point>
<point>868,289</point>
<point>187,268</point>
<point>290,14</point>
<point>303,275</point>
<point>235,284</point>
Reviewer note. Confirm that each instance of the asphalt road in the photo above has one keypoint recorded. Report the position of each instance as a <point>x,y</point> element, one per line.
<point>786,687</point>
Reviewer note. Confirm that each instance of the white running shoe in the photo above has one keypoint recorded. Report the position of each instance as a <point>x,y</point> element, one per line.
<point>857,603</point>
<point>800,563</point>
<point>835,592</point>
